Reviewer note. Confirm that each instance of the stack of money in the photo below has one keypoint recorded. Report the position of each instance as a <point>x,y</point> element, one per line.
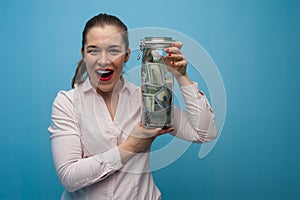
<point>157,95</point>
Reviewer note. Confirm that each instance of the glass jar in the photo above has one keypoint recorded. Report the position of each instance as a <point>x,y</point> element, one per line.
<point>157,83</point>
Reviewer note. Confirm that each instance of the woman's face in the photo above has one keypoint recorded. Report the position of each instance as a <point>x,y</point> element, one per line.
<point>104,55</point>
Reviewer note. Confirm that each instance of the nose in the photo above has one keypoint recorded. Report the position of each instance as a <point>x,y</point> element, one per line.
<point>103,59</point>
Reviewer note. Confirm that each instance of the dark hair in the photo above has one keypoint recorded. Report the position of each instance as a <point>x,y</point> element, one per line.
<point>98,20</point>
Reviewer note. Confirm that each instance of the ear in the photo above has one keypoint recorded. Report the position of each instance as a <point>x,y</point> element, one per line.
<point>127,55</point>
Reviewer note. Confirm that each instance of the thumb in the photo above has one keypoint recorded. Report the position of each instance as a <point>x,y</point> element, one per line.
<point>151,132</point>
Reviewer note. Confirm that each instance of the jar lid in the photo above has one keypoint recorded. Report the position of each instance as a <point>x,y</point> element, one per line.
<point>155,42</point>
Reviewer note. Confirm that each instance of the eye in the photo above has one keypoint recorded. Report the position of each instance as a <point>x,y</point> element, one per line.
<point>93,51</point>
<point>114,51</point>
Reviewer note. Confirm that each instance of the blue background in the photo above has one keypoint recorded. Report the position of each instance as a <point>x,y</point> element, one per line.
<point>255,45</point>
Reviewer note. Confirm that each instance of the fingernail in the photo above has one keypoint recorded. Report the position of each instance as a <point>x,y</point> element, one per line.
<point>172,62</point>
<point>169,55</point>
<point>167,50</point>
<point>173,44</point>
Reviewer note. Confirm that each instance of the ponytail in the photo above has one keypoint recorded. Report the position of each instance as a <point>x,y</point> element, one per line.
<point>80,74</point>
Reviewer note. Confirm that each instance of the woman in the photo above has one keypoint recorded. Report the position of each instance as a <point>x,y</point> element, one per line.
<point>100,150</point>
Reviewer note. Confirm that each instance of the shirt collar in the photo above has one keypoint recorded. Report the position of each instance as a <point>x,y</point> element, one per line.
<point>86,85</point>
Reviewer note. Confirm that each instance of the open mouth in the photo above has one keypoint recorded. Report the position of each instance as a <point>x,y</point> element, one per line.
<point>105,74</point>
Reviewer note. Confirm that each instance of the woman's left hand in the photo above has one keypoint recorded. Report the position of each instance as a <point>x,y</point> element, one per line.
<point>176,60</point>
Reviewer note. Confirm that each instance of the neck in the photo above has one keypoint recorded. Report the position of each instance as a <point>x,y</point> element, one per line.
<point>111,98</point>
<point>107,96</point>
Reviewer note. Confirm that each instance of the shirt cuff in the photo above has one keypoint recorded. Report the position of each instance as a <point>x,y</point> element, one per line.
<point>111,158</point>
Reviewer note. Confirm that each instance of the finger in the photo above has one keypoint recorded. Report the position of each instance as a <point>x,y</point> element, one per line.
<point>141,132</point>
<point>176,67</point>
<point>173,50</point>
<point>164,131</point>
<point>177,44</point>
<point>175,57</point>
<point>179,64</point>
<point>151,132</point>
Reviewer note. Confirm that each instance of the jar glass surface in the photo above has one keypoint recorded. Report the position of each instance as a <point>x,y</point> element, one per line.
<point>157,84</point>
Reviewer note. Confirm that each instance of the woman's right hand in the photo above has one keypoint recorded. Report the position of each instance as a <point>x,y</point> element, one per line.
<point>139,140</point>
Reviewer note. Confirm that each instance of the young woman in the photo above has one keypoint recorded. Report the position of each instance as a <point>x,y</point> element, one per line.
<point>100,150</point>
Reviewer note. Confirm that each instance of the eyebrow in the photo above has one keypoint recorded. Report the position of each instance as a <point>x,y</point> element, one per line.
<point>92,46</point>
<point>111,46</point>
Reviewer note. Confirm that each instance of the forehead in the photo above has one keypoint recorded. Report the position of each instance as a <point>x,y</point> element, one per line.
<point>104,35</point>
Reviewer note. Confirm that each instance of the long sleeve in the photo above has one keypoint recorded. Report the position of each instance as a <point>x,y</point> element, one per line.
<point>73,170</point>
<point>197,123</point>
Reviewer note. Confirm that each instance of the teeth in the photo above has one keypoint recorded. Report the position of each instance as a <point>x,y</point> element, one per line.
<point>101,72</point>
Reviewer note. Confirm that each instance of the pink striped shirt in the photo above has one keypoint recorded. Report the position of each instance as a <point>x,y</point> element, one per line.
<point>84,141</point>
